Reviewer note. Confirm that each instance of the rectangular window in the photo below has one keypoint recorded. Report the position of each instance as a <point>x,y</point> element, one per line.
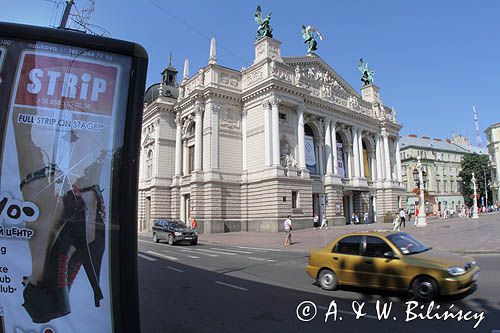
<point>294,199</point>
<point>282,116</point>
<point>191,158</point>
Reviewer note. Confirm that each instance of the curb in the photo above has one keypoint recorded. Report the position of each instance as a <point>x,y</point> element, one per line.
<point>476,252</point>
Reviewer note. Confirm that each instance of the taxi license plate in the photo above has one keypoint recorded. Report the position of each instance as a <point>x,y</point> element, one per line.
<point>475,276</point>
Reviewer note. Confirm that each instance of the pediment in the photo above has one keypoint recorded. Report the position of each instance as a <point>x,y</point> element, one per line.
<point>314,71</point>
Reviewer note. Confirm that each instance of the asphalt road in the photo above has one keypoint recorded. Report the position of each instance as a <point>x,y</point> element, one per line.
<point>215,288</point>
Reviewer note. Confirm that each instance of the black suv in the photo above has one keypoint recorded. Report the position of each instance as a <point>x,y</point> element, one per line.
<point>173,232</point>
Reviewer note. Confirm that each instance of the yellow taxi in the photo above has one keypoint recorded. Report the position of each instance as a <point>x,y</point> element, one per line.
<point>391,260</point>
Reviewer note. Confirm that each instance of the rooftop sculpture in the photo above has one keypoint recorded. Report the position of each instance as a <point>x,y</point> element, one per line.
<point>309,38</point>
<point>264,29</point>
<point>367,77</point>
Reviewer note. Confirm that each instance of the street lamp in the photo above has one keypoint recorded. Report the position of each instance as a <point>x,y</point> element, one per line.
<point>486,190</point>
<point>418,176</point>
<point>474,206</point>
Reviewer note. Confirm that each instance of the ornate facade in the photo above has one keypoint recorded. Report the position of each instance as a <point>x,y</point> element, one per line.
<point>441,160</point>
<point>241,149</point>
<point>493,139</point>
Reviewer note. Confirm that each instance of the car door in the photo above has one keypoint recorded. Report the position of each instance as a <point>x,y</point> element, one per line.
<point>346,257</point>
<point>162,225</point>
<point>378,271</point>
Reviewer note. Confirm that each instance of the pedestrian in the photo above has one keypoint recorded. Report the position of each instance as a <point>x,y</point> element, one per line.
<point>287,225</point>
<point>324,222</point>
<point>365,218</point>
<point>315,221</point>
<point>353,217</point>
<point>396,222</point>
<point>194,224</point>
<point>416,217</point>
<point>402,217</point>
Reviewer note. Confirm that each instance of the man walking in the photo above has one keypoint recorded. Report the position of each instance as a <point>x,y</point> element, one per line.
<point>402,217</point>
<point>324,222</point>
<point>287,225</point>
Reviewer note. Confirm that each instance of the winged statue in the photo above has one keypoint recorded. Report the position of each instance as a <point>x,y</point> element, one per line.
<point>264,29</point>
<point>309,37</point>
<point>367,77</point>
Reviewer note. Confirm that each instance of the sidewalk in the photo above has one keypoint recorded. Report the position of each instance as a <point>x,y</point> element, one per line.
<point>469,236</point>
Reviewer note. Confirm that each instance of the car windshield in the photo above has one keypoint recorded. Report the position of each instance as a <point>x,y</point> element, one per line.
<point>177,225</point>
<point>407,244</point>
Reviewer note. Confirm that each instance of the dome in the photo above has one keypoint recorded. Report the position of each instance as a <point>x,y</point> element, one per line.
<point>153,91</point>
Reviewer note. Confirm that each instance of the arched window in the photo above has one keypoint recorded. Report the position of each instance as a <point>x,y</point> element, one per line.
<point>310,150</point>
<point>341,156</point>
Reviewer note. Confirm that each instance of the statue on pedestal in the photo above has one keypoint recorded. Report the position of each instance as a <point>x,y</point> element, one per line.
<point>265,29</point>
<point>309,39</point>
<point>367,77</point>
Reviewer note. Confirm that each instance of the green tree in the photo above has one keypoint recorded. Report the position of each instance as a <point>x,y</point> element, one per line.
<point>479,164</point>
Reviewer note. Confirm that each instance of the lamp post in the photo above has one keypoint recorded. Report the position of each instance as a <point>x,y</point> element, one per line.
<point>486,190</point>
<point>418,177</point>
<point>474,206</point>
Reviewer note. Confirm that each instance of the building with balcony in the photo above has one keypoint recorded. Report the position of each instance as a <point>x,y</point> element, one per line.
<point>441,160</point>
<point>493,141</point>
<point>239,150</point>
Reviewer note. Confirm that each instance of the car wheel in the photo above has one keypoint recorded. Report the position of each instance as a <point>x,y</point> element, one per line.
<point>328,279</point>
<point>194,242</point>
<point>170,239</point>
<point>424,289</point>
<point>155,238</point>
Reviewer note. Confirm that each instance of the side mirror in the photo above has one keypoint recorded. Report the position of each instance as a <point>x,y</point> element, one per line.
<point>391,255</point>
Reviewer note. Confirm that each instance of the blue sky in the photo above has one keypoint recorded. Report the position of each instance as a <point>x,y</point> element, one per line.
<point>433,59</point>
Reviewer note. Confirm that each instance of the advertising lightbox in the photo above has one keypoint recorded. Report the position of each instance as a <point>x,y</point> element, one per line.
<point>70,112</point>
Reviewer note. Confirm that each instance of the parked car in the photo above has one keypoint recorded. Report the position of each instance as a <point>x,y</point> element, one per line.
<point>173,232</point>
<point>391,260</point>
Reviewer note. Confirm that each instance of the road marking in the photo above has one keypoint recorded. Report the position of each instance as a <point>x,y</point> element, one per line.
<point>187,255</point>
<point>175,269</point>
<point>145,241</point>
<point>257,248</point>
<point>348,313</point>
<point>146,257</point>
<point>201,253</point>
<point>237,251</point>
<point>212,251</point>
<point>162,255</point>
<point>262,259</point>
<point>231,285</point>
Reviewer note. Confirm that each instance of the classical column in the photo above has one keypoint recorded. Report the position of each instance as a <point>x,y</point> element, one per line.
<point>361,156</point>
<point>328,147</point>
<point>301,137</point>
<point>320,161</point>
<point>387,157</point>
<point>267,133</point>
<point>275,130</point>
<point>373,167</point>
<point>398,162</point>
<point>214,142</point>
<point>378,156</point>
<point>178,146</point>
<point>244,139</point>
<point>198,136</point>
<point>355,150</point>
<point>156,161</point>
<point>185,160</point>
<point>334,148</point>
